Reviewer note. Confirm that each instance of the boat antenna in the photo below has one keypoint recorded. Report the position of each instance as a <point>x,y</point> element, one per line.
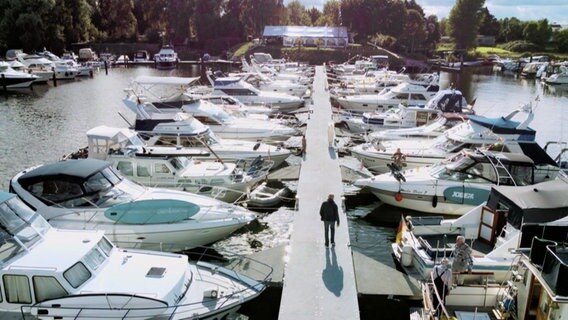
<point>199,138</point>
<point>125,120</point>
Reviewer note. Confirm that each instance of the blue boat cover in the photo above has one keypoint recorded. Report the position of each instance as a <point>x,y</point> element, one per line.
<point>225,81</point>
<point>504,126</point>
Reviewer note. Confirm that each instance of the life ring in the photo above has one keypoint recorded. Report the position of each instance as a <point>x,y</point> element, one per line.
<point>398,196</point>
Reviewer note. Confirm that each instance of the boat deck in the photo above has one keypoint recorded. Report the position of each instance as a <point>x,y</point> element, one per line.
<point>319,281</point>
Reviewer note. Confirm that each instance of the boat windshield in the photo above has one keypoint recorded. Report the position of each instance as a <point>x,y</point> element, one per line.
<point>20,228</point>
<point>448,145</point>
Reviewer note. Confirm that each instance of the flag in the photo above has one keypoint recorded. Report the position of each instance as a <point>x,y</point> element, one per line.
<point>401,229</point>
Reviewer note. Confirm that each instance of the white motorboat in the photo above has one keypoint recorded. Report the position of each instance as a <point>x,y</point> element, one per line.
<point>141,56</point>
<point>493,229</point>
<point>166,58</point>
<point>89,194</point>
<point>43,75</point>
<point>407,93</point>
<point>12,79</point>
<point>64,70</point>
<point>502,132</point>
<point>233,105</point>
<point>300,78</point>
<point>445,101</point>
<point>453,186</point>
<point>51,273</point>
<point>558,78</point>
<point>174,170</point>
<point>267,84</point>
<point>535,286</point>
<point>248,94</point>
<point>166,113</point>
<point>430,131</point>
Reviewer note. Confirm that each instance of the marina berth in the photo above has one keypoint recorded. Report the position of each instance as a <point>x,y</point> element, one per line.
<point>190,136</point>
<point>250,95</point>
<point>535,286</point>
<point>89,194</point>
<point>501,133</point>
<point>492,229</point>
<point>172,169</point>
<point>166,58</point>
<point>224,124</point>
<point>12,79</point>
<point>454,186</point>
<point>93,279</point>
<point>411,94</point>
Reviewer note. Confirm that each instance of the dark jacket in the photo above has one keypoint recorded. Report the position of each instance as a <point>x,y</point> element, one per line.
<point>328,211</point>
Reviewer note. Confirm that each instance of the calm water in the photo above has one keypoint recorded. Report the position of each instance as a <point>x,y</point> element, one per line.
<point>40,126</point>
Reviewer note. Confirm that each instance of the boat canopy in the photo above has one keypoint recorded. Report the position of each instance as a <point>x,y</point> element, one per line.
<point>502,125</point>
<point>76,168</point>
<point>541,202</point>
<point>180,81</point>
<point>103,140</point>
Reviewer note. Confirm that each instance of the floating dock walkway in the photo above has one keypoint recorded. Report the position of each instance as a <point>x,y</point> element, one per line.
<point>319,282</point>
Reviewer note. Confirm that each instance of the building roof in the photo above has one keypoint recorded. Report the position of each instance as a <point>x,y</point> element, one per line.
<point>305,32</point>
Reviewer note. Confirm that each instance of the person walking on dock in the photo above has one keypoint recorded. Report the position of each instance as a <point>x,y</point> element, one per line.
<point>330,216</point>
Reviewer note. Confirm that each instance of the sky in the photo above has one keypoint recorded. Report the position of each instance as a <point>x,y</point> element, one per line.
<point>553,10</point>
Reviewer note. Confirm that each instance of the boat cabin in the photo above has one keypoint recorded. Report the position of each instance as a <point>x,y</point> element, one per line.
<point>234,87</point>
<point>32,270</point>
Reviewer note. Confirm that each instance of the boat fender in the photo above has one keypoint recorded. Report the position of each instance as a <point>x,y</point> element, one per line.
<point>398,196</point>
<point>435,201</point>
<point>406,256</point>
<point>256,146</point>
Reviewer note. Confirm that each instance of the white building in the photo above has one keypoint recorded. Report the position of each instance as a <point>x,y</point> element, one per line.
<point>331,37</point>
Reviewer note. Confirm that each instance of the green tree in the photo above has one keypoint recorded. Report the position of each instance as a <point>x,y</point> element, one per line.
<point>297,14</point>
<point>463,22</point>
<point>230,23</point>
<point>489,24</point>
<point>256,14</point>
<point>414,30</point>
<point>314,14</point>
<point>561,38</point>
<point>207,14</point>
<point>530,32</point>
<point>24,24</point>
<point>178,14</point>
<point>331,15</point>
<point>510,29</point>
<point>544,33</point>
<point>433,32</point>
<point>117,19</point>
<point>150,17</point>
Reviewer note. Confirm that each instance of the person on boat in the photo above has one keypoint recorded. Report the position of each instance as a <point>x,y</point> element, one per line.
<point>442,275</point>
<point>330,216</point>
<point>462,257</point>
<point>398,158</point>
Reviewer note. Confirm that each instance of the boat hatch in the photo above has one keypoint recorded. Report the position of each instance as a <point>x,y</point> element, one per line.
<point>156,272</point>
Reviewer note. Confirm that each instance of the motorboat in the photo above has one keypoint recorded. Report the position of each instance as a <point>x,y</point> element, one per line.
<point>301,78</point>
<point>536,285</point>
<point>174,170</point>
<point>166,58</point>
<point>454,186</point>
<point>65,71</point>
<point>502,133</point>
<point>408,93</point>
<point>233,105</point>
<point>51,273</point>
<point>432,130</point>
<point>12,79</point>
<point>141,56</point>
<point>90,194</point>
<point>248,94</point>
<point>225,125</point>
<point>43,75</point>
<point>267,84</point>
<point>531,69</point>
<point>83,70</point>
<point>558,78</point>
<point>445,101</point>
<point>492,229</point>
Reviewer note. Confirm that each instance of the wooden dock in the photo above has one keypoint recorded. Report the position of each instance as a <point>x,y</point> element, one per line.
<point>319,282</point>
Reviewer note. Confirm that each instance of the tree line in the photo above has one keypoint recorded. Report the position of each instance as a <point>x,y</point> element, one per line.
<point>218,24</point>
